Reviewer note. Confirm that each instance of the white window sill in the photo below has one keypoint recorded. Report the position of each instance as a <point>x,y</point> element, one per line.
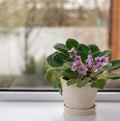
<point>54,111</point>
<point>52,96</point>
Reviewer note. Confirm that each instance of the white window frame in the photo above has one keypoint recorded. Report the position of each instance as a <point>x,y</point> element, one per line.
<point>51,96</point>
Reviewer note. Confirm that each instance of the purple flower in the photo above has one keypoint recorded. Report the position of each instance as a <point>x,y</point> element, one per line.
<point>77,59</point>
<point>90,57</point>
<point>103,59</point>
<point>100,61</point>
<point>74,67</point>
<point>88,66</point>
<point>98,65</point>
<point>82,69</point>
<point>72,52</point>
<point>89,61</point>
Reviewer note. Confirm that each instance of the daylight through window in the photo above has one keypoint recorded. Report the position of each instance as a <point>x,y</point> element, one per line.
<point>30,28</point>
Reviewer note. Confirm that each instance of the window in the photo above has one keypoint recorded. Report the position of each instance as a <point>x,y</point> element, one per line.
<point>30,28</point>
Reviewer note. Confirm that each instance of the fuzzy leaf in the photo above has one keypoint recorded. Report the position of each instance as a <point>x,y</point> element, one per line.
<point>106,53</point>
<point>70,43</point>
<point>61,47</point>
<point>115,64</point>
<point>69,73</point>
<point>107,66</point>
<point>60,58</point>
<point>93,48</point>
<point>72,81</point>
<point>50,60</point>
<point>60,90</point>
<point>83,56</point>
<point>97,73</point>
<point>113,76</point>
<point>104,68</point>
<point>96,54</point>
<point>55,83</point>
<point>67,64</point>
<point>52,76</point>
<point>83,48</point>
<point>83,82</point>
<point>57,59</point>
<point>100,83</point>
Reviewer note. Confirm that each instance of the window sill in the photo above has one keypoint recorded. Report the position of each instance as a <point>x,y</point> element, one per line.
<point>52,96</point>
<point>54,111</point>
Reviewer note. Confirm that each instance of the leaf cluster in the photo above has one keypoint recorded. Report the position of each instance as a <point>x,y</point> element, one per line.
<point>60,65</point>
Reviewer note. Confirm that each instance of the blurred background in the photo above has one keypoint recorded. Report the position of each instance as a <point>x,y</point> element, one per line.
<point>30,28</point>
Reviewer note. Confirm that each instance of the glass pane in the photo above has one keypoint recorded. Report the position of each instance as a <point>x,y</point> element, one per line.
<point>30,28</point>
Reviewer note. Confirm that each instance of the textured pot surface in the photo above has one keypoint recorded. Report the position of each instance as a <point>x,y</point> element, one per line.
<point>78,98</point>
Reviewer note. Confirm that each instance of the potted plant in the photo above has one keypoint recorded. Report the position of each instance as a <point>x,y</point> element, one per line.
<point>78,70</point>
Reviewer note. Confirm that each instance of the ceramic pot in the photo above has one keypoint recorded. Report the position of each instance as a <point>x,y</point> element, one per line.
<point>79,101</point>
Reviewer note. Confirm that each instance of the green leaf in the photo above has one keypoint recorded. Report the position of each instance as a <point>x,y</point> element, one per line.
<point>83,48</point>
<point>104,68</point>
<point>82,82</point>
<point>57,59</point>
<point>70,43</point>
<point>115,64</point>
<point>83,56</point>
<point>52,76</point>
<point>106,53</point>
<point>67,64</point>
<point>96,54</point>
<point>107,66</point>
<point>60,58</point>
<point>100,83</point>
<point>69,73</point>
<point>71,82</point>
<point>93,48</point>
<point>61,47</point>
<point>113,76</point>
<point>50,60</point>
<point>55,83</point>
<point>60,90</point>
<point>97,73</point>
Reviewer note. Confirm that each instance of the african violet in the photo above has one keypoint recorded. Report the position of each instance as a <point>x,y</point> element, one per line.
<point>79,64</point>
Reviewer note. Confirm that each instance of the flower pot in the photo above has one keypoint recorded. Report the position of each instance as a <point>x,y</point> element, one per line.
<point>79,101</point>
